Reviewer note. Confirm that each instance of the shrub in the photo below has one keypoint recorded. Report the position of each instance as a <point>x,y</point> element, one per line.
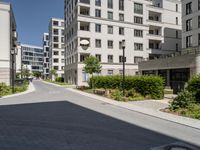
<point>4,89</point>
<point>59,79</point>
<point>194,87</point>
<point>184,100</point>
<point>117,95</point>
<point>152,86</point>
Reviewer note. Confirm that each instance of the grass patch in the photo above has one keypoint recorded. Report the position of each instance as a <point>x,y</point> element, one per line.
<point>7,90</point>
<point>58,83</point>
<point>193,111</point>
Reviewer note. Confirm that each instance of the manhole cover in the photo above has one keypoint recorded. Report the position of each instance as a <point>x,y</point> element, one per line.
<point>176,146</point>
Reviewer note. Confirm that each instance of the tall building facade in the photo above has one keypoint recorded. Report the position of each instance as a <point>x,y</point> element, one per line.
<point>46,55</point>
<point>32,57</point>
<point>191,23</point>
<point>151,29</point>
<point>56,46</point>
<point>8,42</point>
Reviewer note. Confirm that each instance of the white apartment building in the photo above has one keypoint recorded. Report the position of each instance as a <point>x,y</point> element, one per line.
<point>8,41</point>
<point>46,55</point>
<point>151,29</point>
<point>191,23</point>
<point>56,46</point>
<point>31,57</point>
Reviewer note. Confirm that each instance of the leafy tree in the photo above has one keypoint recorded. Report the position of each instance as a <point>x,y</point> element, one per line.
<point>92,66</point>
<point>25,72</point>
<point>37,74</point>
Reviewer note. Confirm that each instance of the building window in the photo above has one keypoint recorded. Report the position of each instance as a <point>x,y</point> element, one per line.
<point>176,34</point>
<point>98,2</point>
<point>55,23</point>
<point>98,43</point>
<point>138,33</point>
<point>176,7</point>
<point>121,5</point>
<point>121,17</point>
<point>110,15</point>
<point>176,20</point>
<point>199,39</point>
<point>120,44</point>
<point>138,8</point>
<point>97,13</point>
<point>55,45</point>
<point>188,41</point>
<point>138,46</point>
<point>198,4</point>
<point>85,76</point>
<point>55,67</point>
<point>121,59</point>
<point>110,72</point>
<point>121,31</point>
<point>56,60</point>
<point>189,25</point>
<point>110,58</point>
<point>110,29</point>
<point>138,20</point>
<point>188,8</point>
<point>110,4</point>
<point>55,53</point>
<point>199,21</point>
<point>98,57</point>
<point>110,44</point>
<point>97,27</point>
<point>137,59</point>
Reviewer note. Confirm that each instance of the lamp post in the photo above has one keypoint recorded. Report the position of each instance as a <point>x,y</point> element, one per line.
<point>13,53</point>
<point>123,81</point>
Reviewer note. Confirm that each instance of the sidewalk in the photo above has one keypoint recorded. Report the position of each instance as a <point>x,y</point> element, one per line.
<point>65,86</point>
<point>139,107</point>
<point>31,88</point>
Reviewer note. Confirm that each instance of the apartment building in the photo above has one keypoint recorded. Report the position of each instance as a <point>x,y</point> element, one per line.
<point>32,57</point>
<point>46,55</point>
<point>151,29</point>
<point>56,46</point>
<point>182,66</point>
<point>8,42</point>
<point>191,23</point>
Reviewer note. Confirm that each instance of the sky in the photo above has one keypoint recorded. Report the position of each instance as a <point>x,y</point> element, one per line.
<point>32,18</point>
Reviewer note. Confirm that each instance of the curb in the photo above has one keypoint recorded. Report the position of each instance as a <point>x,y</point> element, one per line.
<point>31,89</point>
<point>64,86</point>
<point>194,123</point>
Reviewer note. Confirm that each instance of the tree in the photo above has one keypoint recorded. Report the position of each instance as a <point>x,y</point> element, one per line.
<point>92,66</point>
<point>25,72</point>
<point>53,72</point>
<point>37,74</point>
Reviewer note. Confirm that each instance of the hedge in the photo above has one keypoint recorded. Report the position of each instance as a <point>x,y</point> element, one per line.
<point>152,86</point>
<point>59,79</point>
<point>194,87</point>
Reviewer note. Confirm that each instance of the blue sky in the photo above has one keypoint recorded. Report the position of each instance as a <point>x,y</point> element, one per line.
<point>32,17</point>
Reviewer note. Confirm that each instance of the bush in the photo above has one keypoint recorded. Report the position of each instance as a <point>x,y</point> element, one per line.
<point>59,79</point>
<point>117,95</point>
<point>152,86</point>
<point>4,89</point>
<point>184,100</point>
<point>194,87</point>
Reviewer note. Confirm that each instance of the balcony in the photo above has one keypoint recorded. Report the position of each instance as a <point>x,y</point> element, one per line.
<point>84,11</point>
<point>84,26</point>
<point>85,1</point>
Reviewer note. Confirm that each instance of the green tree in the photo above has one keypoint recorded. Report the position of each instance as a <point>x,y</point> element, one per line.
<point>37,74</point>
<point>25,72</point>
<point>92,66</point>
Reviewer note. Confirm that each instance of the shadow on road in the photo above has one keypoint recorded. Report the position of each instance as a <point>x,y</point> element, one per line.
<point>65,126</point>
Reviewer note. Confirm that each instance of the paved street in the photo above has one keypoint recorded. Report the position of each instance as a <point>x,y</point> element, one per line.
<point>54,118</point>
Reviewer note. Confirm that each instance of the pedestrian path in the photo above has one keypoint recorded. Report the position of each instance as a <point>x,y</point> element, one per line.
<point>138,107</point>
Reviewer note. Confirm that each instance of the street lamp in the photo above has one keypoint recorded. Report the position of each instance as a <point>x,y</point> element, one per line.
<point>123,82</point>
<point>13,53</point>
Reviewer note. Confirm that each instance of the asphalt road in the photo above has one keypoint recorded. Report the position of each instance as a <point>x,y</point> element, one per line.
<point>53,118</point>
